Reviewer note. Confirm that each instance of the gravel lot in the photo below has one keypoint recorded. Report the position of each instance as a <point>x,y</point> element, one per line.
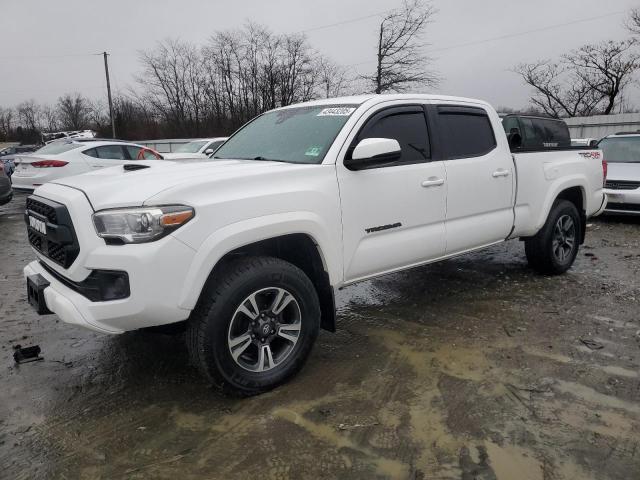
<point>475,368</point>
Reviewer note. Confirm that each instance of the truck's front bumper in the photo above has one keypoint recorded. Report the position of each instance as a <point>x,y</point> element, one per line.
<point>155,288</point>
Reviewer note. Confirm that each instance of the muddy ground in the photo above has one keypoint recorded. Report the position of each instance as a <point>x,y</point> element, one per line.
<point>475,368</point>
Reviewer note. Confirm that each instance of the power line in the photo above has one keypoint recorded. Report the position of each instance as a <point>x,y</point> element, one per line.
<point>509,35</point>
<point>344,22</point>
<point>527,32</point>
<point>18,57</point>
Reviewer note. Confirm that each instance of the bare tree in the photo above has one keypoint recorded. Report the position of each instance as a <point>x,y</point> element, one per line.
<point>633,22</point>
<point>586,81</point>
<point>332,77</point>
<point>401,64</point>
<point>173,81</point>
<point>29,115</point>
<point>49,118</point>
<point>6,123</point>
<point>606,68</point>
<point>73,111</point>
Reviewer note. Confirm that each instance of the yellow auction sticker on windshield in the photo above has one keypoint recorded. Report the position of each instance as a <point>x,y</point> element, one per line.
<point>313,151</point>
<point>336,112</point>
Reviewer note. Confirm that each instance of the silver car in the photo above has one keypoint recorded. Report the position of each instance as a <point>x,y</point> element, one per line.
<point>622,153</point>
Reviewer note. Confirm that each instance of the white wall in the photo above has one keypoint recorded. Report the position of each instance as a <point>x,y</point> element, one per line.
<point>599,126</point>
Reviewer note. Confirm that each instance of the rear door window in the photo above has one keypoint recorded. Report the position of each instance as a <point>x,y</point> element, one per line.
<point>91,153</point>
<point>465,132</point>
<point>111,152</point>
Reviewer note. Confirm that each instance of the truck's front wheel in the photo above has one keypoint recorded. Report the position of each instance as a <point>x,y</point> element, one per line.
<point>553,249</point>
<point>255,324</point>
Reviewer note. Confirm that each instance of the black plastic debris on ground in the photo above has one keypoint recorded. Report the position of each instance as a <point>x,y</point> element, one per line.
<point>593,345</point>
<point>26,354</point>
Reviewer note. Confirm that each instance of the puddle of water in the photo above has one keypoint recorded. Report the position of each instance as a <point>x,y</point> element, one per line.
<point>511,462</point>
<point>557,357</point>
<point>592,396</point>
<point>604,423</point>
<point>612,322</point>
<point>620,371</point>
<point>384,466</point>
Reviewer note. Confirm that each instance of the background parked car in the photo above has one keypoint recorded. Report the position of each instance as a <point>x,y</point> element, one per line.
<point>6,193</point>
<point>584,142</point>
<point>622,153</point>
<point>72,157</point>
<point>8,155</point>
<point>15,149</point>
<point>200,148</point>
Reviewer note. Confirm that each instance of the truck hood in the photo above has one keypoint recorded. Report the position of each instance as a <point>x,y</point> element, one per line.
<point>115,187</point>
<point>623,171</point>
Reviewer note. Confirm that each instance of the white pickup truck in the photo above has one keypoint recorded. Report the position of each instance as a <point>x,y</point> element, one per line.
<point>247,250</point>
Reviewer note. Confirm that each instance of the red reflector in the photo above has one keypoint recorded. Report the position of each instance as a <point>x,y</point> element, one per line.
<point>49,163</point>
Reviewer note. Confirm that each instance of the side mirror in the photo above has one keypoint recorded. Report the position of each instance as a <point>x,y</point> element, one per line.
<point>373,152</point>
<point>208,151</point>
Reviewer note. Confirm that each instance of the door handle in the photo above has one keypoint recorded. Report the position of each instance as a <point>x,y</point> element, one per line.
<point>433,182</point>
<point>500,173</point>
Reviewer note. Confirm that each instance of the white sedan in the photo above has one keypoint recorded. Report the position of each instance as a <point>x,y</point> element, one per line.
<point>200,148</point>
<point>65,158</point>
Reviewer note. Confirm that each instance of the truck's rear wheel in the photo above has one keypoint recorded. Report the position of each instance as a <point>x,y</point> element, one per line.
<point>553,249</point>
<point>255,325</point>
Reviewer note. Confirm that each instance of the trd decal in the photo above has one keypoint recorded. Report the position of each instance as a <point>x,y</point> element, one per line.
<point>383,227</point>
<point>594,155</point>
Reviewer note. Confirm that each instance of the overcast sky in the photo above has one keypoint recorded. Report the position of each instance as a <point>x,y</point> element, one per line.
<point>46,45</point>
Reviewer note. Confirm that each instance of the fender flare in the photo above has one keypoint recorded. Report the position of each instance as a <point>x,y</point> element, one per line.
<point>557,188</point>
<point>249,231</point>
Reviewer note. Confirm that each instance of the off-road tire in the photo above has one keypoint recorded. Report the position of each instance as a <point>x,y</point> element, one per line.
<point>208,325</point>
<point>540,248</point>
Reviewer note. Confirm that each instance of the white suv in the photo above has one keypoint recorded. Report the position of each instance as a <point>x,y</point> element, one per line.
<point>622,153</point>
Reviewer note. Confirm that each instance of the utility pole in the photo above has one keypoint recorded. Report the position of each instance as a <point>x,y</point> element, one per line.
<point>106,71</point>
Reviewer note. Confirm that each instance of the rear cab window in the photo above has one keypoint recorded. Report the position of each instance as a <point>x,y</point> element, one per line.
<point>465,132</point>
<point>538,132</point>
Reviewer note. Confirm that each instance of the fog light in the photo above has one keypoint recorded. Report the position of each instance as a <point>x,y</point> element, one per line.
<point>108,285</point>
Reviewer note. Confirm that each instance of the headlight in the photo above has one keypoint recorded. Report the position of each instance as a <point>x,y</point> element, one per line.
<point>140,225</point>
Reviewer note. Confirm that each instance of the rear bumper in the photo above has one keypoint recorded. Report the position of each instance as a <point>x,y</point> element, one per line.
<point>623,202</point>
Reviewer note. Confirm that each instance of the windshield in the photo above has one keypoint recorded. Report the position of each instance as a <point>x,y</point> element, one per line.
<point>294,135</point>
<point>57,147</point>
<point>621,149</point>
<point>191,147</point>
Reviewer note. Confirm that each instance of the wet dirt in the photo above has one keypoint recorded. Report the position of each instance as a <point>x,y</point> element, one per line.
<point>468,369</point>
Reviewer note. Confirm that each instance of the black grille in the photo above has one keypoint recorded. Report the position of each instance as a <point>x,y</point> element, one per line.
<point>627,207</point>
<point>59,242</point>
<point>35,240</point>
<point>47,211</point>
<point>56,253</point>
<point>621,184</point>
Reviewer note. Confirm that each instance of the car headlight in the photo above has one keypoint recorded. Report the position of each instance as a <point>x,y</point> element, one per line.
<point>140,225</point>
